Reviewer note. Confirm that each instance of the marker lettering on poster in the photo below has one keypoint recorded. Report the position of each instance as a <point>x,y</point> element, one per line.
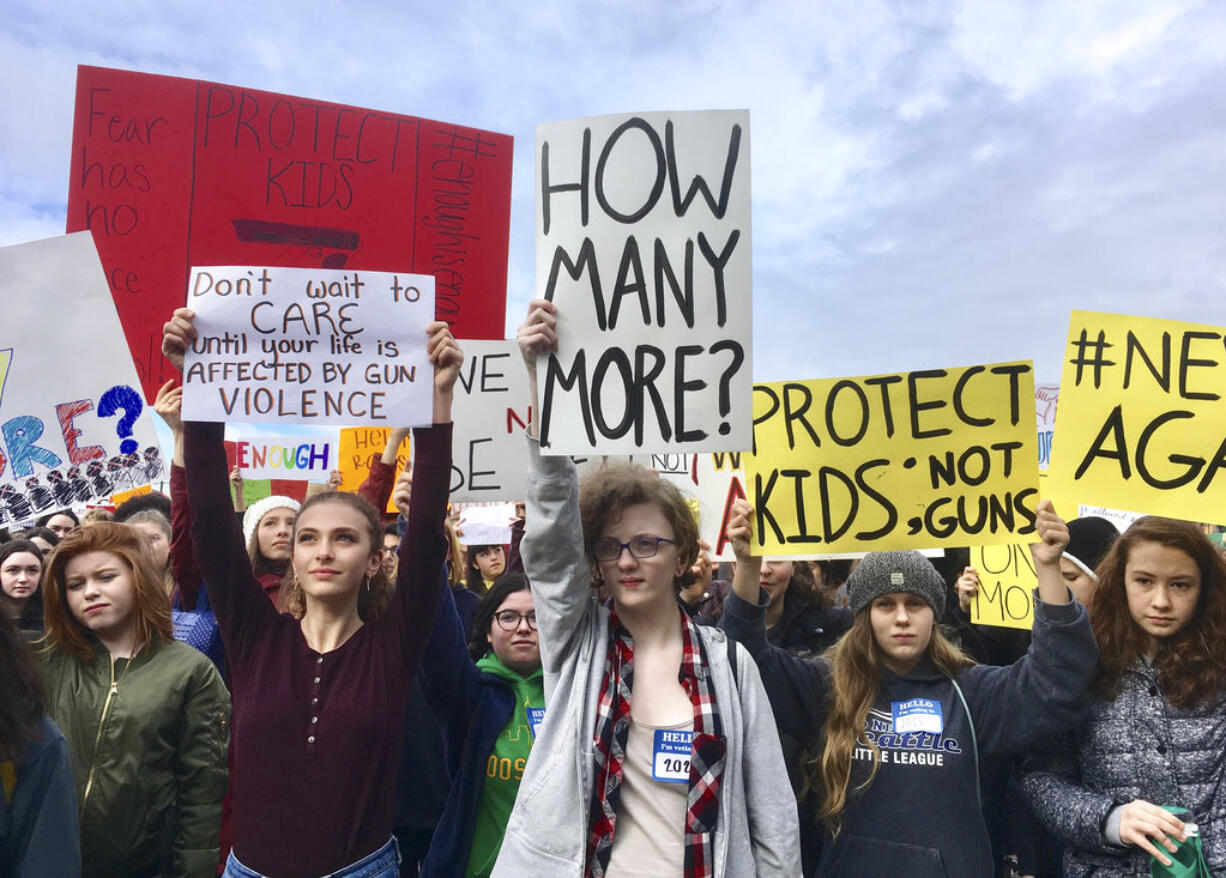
<point>1142,421</point>
<point>169,172</point>
<point>303,346</point>
<point>91,437</point>
<point>912,460</point>
<point>643,241</point>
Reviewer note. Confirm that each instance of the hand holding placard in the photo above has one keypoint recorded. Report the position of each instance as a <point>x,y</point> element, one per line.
<point>1052,531</point>
<point>306,346</point>
<point>655,281</point>
<point>537,336</point>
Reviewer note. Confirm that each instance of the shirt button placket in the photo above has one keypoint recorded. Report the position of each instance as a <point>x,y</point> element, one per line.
<point>315,705</point>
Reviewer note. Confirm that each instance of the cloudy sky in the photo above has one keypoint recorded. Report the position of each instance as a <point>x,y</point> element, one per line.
<point>935,183</point>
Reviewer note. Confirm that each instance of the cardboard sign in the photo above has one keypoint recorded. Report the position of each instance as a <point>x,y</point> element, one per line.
<point>359,448</point>
<point>489,454</point>
<point>643,240</point>
<point>258,489</point>
<point>712,482</point>
<point>170,173</point>
<point>309,346</point>
<point>1007,581</point>
<point>1046,396</point>
<point>917,460</point>
<point>122,497</point>
<point>1142,421</point>
<point>486,525</point>
<point>73,426</point>
<point>311,458</point>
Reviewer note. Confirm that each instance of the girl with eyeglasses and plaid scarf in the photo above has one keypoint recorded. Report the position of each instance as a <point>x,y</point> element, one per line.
<point>658,755</point>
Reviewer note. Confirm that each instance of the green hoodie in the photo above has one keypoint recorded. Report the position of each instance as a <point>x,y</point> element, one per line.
<point>505,766</point>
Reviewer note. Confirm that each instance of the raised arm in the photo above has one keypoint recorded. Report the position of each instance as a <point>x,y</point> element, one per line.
<point>796,687</point>
<point>377,488</point>
<point>552,547</point>
<point>235,595</point>
<point>1048,685</point>
<point>424,544</point>
<point>455,688</point>
<point>169,406</point>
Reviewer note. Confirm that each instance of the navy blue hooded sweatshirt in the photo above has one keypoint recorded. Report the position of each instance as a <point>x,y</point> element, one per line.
<point>472,708</point>
<point>920,815</point>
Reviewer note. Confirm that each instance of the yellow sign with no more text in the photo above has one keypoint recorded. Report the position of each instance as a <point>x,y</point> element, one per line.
<point>925,459</point>
<point>1007,581</point>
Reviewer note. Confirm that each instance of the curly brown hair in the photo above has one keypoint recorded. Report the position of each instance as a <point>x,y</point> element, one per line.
<point>374,597</point>
<point>1190,665</point>
<point>608,490</point>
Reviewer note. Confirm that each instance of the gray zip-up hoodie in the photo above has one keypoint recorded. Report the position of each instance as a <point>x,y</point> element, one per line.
<point>547,835</point>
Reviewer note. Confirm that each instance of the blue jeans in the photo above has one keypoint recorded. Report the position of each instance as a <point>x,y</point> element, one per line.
<point>383,863</point>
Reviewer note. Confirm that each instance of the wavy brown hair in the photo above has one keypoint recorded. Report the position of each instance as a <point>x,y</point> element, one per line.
<point>606,492</point>
<point>373,597</point>
<point>150,609</point>
<point>22,698</point>
<point>1190,665</point>
<point>855,683</point>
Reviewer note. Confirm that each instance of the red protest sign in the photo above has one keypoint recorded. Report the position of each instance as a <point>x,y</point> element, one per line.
<point>168,173</point>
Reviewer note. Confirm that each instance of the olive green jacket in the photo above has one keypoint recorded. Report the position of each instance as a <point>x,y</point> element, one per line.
<point>148,740</point>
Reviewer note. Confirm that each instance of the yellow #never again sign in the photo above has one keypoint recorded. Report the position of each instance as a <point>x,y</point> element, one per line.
<point>358,447</point>
<point>941,457</point>
<point>1007,581</point>
<point>1141,423</point>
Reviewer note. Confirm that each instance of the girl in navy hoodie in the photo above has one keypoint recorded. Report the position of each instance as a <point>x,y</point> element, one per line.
<point>900,720</point>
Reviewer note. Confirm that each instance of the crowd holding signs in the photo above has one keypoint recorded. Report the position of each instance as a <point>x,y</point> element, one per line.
<point>317,250</point>
<point>643,240</point>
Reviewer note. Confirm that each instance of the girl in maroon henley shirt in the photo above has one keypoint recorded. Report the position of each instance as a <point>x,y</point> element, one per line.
<point>317,736</point>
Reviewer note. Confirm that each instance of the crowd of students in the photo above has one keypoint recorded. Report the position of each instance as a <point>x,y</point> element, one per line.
<point>301,689</point>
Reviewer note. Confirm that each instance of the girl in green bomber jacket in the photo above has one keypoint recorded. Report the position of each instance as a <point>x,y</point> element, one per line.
<point>146,717</point>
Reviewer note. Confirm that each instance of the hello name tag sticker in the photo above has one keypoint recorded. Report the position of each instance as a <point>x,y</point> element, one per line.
<point>670,756</point>
<point>536,716</point>
<point>918,715</point>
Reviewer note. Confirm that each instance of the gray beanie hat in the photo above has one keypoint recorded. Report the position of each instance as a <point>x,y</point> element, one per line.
<point>888,572</point>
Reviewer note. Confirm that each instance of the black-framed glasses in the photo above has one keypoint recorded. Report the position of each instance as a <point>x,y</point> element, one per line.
<point>609,549</point>
<point>508,620</point>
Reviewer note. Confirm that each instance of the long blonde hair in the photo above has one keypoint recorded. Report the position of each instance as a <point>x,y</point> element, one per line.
<point>855,682</point>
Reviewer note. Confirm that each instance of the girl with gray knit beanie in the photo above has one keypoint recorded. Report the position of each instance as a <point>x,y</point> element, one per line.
<point>901,721</point>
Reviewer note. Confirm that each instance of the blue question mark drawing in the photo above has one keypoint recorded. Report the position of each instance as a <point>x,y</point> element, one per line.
<point>122,397</point>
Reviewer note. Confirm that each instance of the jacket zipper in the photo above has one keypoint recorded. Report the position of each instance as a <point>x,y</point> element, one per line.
<point>106,706</point>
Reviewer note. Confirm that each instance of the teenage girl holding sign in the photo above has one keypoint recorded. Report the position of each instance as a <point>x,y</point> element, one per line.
<point>657,755</point>
<point>320,696</point>
<point>900,719</point>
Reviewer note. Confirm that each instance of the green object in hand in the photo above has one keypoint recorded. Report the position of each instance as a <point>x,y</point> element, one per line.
<point>1188,861</point>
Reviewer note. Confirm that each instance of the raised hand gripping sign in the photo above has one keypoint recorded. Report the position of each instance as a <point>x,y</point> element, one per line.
<point>307,346</point>
<point>1141,423</point>
<point>643,241</point>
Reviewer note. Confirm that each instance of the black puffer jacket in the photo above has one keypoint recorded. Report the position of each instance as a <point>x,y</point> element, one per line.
<point>1136,747</point>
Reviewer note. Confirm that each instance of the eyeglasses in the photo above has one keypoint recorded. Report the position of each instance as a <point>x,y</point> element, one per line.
<point>609,549</point>
<point>508,620</point>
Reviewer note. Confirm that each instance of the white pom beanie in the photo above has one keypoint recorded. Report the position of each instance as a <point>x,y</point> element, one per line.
<point>257,510</point>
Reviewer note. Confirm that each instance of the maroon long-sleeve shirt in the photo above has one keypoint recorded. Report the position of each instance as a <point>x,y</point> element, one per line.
<point>316,737</point>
